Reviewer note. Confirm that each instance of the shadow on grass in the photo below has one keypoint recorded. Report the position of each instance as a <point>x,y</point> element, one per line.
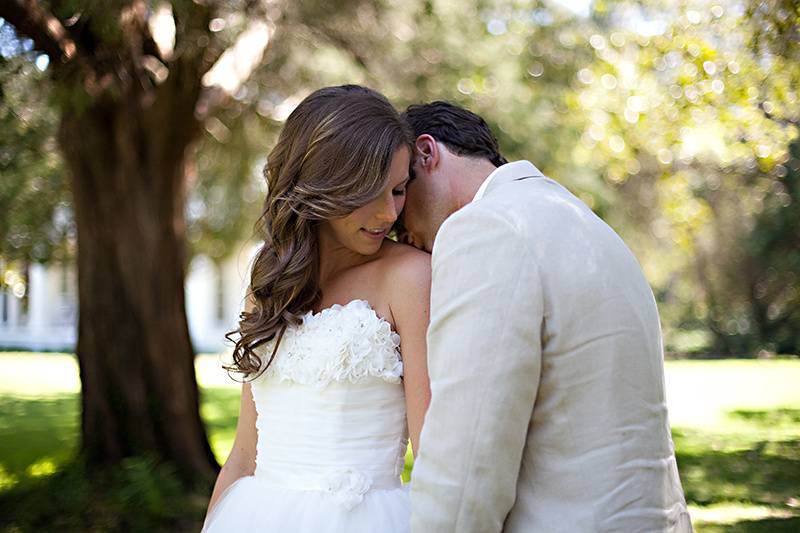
<point>773,417</point>
<point>44,487</point>
<point>137,495</point>
<point>765,473</point>
<point>767,525</point>
<point>749,468</point>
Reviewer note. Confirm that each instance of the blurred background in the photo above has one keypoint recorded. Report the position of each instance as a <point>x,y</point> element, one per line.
<point>132,138</point>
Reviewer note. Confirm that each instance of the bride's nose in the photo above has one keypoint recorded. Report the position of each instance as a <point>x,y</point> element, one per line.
<point>387,213</point>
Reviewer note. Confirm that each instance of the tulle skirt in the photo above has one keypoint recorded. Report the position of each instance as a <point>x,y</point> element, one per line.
<point>250,504</point>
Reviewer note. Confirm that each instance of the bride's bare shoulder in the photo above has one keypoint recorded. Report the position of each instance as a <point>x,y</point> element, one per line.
<point>404,268</point>
<point>396,256</point>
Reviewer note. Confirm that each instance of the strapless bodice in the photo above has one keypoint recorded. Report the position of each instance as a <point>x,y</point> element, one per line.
<point>331,409</point>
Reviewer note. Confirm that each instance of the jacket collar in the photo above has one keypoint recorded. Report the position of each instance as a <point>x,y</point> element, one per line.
<point>509,172</point>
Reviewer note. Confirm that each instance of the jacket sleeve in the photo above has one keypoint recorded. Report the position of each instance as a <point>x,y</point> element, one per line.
<point>484,356</point>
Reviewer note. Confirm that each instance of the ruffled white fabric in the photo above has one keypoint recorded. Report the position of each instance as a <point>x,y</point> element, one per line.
<point>340,343</point>
<point>348,486</point>
<point>251,505</point>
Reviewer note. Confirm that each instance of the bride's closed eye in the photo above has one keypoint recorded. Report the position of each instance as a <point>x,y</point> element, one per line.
<point>400,190</point>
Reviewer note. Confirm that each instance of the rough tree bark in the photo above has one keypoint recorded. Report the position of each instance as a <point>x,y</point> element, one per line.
<point>136,362</point>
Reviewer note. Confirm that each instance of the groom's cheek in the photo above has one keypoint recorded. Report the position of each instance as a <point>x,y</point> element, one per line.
<point>413,215</point>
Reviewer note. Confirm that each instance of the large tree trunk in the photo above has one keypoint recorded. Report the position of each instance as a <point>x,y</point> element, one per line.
<point>130,110</point>
<point>140,394</point>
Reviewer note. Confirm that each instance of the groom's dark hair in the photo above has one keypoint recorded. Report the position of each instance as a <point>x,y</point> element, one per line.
<point>460,130</point>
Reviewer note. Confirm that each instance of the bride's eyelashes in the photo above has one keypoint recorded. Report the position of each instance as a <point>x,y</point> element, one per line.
<point>401,190</point>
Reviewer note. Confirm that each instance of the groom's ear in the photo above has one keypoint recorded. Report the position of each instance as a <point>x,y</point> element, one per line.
<point>427,152</point>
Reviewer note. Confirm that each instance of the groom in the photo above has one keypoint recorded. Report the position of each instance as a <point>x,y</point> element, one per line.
<point>544,352</point>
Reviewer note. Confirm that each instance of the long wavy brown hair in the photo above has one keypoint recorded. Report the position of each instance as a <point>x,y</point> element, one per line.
<point>332,157</point>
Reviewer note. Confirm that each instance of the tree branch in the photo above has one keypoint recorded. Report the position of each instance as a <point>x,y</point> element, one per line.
<point>342,42</point>
<point>46,31</point>
<point>191,29</point>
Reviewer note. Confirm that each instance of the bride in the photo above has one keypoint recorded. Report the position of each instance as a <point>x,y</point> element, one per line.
<point>332,339</point>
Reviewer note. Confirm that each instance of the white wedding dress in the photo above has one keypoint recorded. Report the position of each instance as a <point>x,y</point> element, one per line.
<point>332,432</point>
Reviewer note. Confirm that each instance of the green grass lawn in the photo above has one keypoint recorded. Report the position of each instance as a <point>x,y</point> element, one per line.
<point>736,426</point>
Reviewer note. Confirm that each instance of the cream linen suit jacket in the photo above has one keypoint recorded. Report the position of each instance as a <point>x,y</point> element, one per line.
<point>546,365</point>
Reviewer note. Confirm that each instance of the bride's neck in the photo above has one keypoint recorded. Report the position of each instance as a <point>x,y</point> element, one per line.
<point>334,259</point>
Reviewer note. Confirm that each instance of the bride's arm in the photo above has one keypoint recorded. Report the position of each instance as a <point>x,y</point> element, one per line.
<point>242,459</point>
<point>410,306</point>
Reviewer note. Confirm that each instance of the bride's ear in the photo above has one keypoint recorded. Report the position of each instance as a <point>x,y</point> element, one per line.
<point>426,151</point>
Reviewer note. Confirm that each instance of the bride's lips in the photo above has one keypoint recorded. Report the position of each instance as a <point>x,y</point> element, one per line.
<point>375,234</point>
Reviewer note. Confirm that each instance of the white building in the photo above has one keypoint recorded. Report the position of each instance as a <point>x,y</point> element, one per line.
<point>46,319</point>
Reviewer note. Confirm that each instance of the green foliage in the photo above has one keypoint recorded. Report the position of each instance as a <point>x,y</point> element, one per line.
<point>228,194</point>
<point>674,121</point>
<point>35,209</point>
<point>766,276</point>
